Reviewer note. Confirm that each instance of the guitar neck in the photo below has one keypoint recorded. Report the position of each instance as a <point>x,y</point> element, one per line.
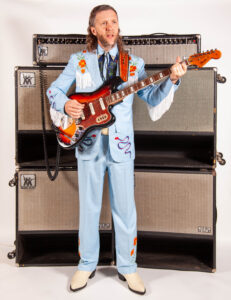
<point>120,95</point>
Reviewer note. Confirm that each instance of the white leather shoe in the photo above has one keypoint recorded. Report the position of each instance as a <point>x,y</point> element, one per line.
<point>135,283</point>
<point>79,280</point>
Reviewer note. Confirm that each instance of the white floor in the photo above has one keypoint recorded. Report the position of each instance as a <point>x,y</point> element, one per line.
<point>47,283</point>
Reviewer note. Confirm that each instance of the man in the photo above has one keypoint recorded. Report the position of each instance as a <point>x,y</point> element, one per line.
<point>107,152</point>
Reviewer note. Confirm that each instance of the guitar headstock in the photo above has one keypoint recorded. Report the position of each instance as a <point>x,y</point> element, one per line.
<point>200,59</point>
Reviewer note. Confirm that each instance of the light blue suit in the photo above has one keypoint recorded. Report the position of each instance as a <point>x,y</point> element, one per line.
<point>114,153</point>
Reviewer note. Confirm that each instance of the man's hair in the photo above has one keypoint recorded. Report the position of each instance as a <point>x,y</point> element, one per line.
<point>91,38</point>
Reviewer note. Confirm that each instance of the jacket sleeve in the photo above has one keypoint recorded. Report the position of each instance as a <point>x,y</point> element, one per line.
<point>159,97</point>
<point>56,93</point>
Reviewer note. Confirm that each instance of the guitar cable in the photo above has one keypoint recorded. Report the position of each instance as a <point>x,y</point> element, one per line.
<point>42,90</point>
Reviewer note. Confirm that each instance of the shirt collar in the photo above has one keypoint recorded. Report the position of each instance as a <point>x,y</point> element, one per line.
<point>113,52</point>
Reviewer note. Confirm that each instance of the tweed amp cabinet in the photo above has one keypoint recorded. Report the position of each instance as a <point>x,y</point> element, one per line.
<point>161,49</point>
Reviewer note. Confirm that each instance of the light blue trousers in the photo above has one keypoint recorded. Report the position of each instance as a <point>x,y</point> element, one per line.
<point>121,186</point>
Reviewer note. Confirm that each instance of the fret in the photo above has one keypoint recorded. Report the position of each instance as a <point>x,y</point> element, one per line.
<point>117,95</point>
<point>131,89</point>
<point>142,83</point>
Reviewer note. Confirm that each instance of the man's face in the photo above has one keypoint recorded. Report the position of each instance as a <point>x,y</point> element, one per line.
<point>106,29</point>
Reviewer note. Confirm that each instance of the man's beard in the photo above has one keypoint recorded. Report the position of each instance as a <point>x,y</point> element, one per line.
<point>105,43</point>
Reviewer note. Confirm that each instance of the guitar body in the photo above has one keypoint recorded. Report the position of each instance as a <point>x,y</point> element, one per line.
<point>96,114</point>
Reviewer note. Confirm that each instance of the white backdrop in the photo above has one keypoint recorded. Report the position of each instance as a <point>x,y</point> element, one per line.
<point>20,19</point>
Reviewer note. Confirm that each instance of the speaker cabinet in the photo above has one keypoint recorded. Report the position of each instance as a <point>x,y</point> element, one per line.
<point>48,217</point>
<point>176,219</point>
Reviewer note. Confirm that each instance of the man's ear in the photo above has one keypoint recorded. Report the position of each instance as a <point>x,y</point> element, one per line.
<point>93,30</point>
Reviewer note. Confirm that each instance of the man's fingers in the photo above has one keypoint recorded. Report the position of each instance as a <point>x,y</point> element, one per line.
<point>178,59</point>
<point>76,104</point>
<point>184,66</point>
<point>74,108</point>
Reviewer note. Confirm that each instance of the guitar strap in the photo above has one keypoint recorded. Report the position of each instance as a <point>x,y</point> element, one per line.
<point>123,65</point>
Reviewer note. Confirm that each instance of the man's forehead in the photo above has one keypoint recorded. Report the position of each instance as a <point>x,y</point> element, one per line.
<point>105,14</point>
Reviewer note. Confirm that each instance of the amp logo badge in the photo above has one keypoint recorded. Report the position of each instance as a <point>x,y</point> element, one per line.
<point>42,51</point>
<point>27,79</point>
<point>28,181</point>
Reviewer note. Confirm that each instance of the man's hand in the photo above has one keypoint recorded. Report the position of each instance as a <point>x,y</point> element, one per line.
<point>73,108</point>
<point>177,70</point>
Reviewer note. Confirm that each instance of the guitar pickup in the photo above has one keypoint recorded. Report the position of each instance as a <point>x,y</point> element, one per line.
<point>82,116</point>
<point>92,108</point>
<point>102,103</point>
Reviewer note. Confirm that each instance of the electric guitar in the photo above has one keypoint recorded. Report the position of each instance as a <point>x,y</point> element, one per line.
<point>97,110</point>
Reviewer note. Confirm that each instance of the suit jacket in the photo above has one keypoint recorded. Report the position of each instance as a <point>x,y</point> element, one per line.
<point>83,69</point>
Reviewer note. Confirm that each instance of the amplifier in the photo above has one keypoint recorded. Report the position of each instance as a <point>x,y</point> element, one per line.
<point>44,205</point>
<point>159,49</point>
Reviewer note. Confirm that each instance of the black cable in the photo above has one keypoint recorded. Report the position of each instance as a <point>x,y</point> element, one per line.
<point>54,176</point>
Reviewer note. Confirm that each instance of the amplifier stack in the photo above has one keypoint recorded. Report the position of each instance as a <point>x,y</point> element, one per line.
<point>175,178</point>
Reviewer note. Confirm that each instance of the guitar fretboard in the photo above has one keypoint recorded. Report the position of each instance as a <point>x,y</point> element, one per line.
<point>120,95</point>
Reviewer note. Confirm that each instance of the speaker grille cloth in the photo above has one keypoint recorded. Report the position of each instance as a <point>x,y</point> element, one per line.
<point>152,54</point>
<point>174,202</point>
<point>54,205</point>
<point>192,108</point>
<point>161,54</point>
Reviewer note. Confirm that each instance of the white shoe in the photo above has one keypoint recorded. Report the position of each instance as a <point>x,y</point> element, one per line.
<point>79,279</point>
<point>135,283</point>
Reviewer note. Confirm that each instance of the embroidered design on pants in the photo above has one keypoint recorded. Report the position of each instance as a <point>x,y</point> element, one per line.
<point>124,144</point>
<point>133,252</point>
